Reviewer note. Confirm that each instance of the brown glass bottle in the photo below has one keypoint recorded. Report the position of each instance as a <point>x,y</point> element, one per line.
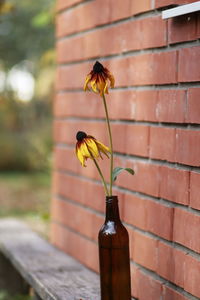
<point>114,255</point>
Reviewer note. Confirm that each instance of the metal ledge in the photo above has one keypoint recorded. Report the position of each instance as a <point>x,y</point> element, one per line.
<point>181,10</point>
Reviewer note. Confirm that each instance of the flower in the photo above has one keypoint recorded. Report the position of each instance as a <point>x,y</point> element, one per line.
<point>99,79</point>
<point>88,147</point>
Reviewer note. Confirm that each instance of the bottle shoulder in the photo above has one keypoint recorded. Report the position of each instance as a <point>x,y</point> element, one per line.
<point>113,233</point>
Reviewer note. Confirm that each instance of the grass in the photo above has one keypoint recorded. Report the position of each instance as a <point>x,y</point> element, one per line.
<point>26,196</point>
<point>5,296</point>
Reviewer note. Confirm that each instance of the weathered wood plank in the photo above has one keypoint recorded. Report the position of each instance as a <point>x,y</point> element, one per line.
<point>52,274</point>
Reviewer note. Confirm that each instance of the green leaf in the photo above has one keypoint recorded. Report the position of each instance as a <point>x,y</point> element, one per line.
<point>118,170</point>
<point>41,20</point>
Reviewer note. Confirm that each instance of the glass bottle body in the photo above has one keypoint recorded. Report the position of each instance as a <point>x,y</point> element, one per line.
<point>114,255</point>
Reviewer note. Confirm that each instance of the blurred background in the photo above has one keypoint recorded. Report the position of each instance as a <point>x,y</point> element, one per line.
<point>26,90</point>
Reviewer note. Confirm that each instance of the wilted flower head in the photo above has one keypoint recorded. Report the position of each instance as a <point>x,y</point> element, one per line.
<point>88,147</point>
<point>99,79</point>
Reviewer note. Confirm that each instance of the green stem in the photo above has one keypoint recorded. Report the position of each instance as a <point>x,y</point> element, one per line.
<point>111,143</point>
<point>102,177</point>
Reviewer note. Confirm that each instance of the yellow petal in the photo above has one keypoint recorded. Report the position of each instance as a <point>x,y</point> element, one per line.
<point>87,79</point>
<point>80,157</point>
<point>94,86</point>
<point>106,88</point>
<point>102,148</point>
<point>101,85</point>
<point>84,150</point>
<point>92,147</point>
<point>112,80</point>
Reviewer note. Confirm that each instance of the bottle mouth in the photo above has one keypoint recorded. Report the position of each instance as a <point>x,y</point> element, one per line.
<point>110,199</point>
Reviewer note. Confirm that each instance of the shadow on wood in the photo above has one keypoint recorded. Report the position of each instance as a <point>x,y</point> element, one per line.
<point>10,279</point>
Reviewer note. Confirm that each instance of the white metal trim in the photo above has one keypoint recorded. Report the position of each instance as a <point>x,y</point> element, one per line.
<point>181,10</point>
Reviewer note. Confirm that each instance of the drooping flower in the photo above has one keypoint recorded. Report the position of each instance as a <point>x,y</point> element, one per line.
<point>88,147</point>
<point>99,79</point>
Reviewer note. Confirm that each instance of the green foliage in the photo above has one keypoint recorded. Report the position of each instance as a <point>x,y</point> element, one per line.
<point>5,296</point>
<point>25,130</point>
<point>118,170</point>
<point>26,32</point>
<point>27,35</point>
<point>41,20</point>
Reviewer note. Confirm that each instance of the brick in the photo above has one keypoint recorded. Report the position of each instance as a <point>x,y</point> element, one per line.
<point>194,190</point>
<point>193,106</point>
<point>118,9</point>
<point>160,219</point>
<point>171,106</point>
<point>78,44</point>
<point>188,69</point>
<point>89,250</point>
<point>87,16</point>
<point>174,185</point>
<point>187,151</point>
<point>171,294</point>
<point>182,28</point>
<point>97,43</point>
<point>187,229</point>
<point>145,105</point>
<point>64,158</point>
<point>134,280</point>
<point>65,132</point>
<point>66,186</point>
<point>62,4</point>
<point>144,250</point>
<point>119,131</point>
<point>121,105</point>
<point>135,211</point>
<point>151,28</point>
<point>79,104</point>
<point>121,70</point>
<point>77,218</point>
<point>162,106</point>
<point>162,3</point>
<point>145,69</point>
<point>192,271</point>
<point>162,143</point>
<point>82,17</point>
<point>144,172</point>
<point>148,287</point>
<point>113,10</point>
<point>65,76</point>
<point>140,6</point>
<point>137,139</point>
<point>171,264</point>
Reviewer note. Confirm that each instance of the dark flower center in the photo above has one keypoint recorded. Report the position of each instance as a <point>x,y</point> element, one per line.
<point>80,135</point>
<point>98,68</point>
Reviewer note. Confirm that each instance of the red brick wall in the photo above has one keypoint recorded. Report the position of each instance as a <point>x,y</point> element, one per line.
<point>155,112</point>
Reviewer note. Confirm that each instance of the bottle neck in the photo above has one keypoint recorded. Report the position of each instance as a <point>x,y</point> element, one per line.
<point>112,209</point>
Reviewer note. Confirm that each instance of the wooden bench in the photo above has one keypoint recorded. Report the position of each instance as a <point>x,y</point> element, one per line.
<point>27,260</point>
